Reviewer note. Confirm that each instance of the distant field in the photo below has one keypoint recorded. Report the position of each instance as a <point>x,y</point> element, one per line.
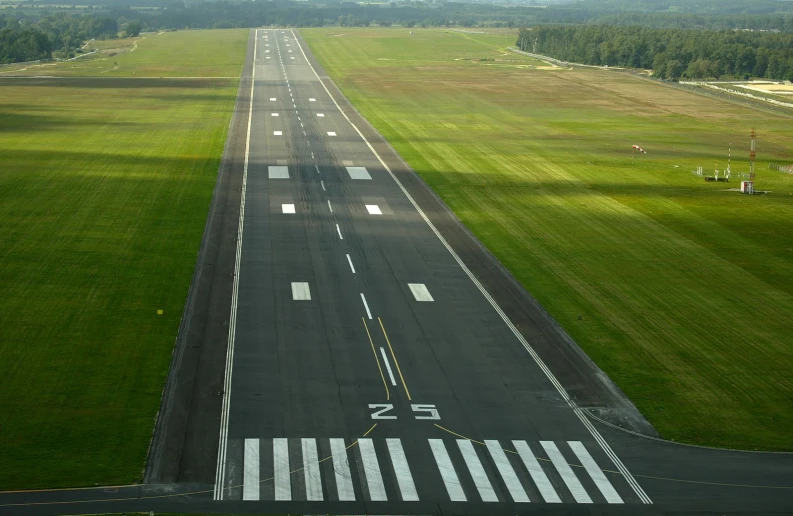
<point>104,191</point>
<point>208,53</point>
<point>685,289</point>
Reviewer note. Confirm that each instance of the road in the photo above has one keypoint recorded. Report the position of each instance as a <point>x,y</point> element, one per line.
<point>353,355</point>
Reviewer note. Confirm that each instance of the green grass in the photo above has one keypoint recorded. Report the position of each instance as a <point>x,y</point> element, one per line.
<point>685,289</point>
<point>213,53</point>
<point>104,191</point>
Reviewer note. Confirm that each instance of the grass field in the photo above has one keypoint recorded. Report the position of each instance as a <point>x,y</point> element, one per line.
<point>685,289</point>
<point>213,53</point>
<point>104,191</point>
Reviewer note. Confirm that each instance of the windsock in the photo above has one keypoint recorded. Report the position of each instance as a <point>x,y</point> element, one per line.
<point>636,147</point>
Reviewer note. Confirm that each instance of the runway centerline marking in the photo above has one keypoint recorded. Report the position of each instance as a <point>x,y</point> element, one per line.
<point>329,206</point>
<point>349,260</point>
<point>393,355</point>
<point>323,185</point>
<point>338,230</point>
<point>388,366</point>
<point>377,360</point>
<point>331,133</point>
<point>365,305</point>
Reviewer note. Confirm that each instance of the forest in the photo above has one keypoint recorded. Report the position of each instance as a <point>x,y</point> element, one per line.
<point>671,53</point>
<point>614,32</point>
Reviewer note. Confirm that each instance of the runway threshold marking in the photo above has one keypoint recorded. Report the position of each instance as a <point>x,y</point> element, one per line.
<point>376,359</point>
<point>543,367</point>
<point>393,355</point>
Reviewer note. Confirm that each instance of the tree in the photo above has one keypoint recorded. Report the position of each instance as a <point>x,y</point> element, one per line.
<point>133,28</point>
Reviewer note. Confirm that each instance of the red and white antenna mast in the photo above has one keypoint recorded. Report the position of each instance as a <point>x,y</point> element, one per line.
<point>752,150</point>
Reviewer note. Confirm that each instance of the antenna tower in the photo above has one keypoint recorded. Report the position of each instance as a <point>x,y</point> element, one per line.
<point>751,154</point>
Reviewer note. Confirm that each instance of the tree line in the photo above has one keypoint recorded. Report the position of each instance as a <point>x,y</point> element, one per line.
<point>671,53</point>
<point>59,34</point>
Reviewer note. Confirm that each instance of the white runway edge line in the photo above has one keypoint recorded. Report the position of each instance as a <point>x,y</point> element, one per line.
<point>581,415</point>
<point>220,472</point>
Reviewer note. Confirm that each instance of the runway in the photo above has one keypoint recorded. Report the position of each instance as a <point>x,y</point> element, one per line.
<point>349,348</point>
<point>357,332</point>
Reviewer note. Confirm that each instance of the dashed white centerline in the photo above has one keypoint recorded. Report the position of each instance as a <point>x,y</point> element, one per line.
<point>387,365</point>
<point>368,313</point>
<point>338,230</point>
<point>349,260</point>
<point>331,210</point>
<point>323,185</point>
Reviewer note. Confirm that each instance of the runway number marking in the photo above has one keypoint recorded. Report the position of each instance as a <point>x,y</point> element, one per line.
<point>384,407</point>
<point>432,412</point>
<point>430,409</point>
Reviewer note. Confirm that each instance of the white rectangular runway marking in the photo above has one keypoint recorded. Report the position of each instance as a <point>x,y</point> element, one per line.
<point>341,469</point>
<point>266,51</point>
<point>320,115</point>
<point>405,480</point>
<point>288,208</point>
<point>250,475</point>
<point>358,173</point>
<point>281,475</point>
<point>449,476</point>
<point>481,481</point>
<point>371,470</point>
<point>363,298</point>
<point>566,472</point>
<point>291,57</point>
<point>312,100</point>
<point>311,471</point>
<point>300,291</point>
<point>331,133</point>
<point>388,366</point>
<point>268,57</point>
<point>278,172</point>
<point>272,99</point>
<point>322,183</point>
<point>609,493</point>
<point>277,133</point>
<point>420,292</point>
<point>338,230</point>
<point>273,114</point>
<point>329,206</point>
<point>507,473</point>
<point>373,209</point>
<point>537,474</point>
<point>350,262</point>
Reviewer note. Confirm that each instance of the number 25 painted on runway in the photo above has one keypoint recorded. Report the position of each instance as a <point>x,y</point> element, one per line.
<point>430,410</point>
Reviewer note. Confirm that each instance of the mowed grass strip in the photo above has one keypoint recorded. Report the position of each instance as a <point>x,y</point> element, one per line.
<point>685,289</point>
<point>206,53</point>
<point>104,192</point>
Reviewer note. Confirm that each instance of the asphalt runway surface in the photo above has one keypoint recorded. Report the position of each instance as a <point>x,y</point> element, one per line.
<point>349,348</point>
